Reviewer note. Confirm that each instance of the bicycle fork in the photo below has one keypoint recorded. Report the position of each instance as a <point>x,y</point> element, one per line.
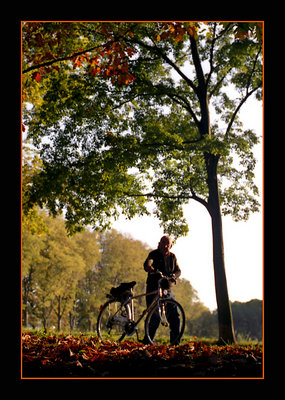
<point>162,313</point>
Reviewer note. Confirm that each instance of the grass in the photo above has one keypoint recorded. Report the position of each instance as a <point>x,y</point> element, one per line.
<point>241,341</point>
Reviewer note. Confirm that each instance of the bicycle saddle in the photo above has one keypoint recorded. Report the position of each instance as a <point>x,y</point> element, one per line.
<point>124,286</point>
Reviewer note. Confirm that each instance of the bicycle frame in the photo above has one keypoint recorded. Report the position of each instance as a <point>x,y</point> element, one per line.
<point>129,305</point>
<point>120,313</point>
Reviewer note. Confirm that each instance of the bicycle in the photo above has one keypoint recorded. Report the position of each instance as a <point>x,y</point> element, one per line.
<point>116,318</point>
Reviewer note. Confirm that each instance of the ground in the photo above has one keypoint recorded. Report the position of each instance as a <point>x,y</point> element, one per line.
<point>87,356</point>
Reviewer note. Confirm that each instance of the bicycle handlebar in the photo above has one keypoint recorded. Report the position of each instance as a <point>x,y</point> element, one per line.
<point>170,278</point>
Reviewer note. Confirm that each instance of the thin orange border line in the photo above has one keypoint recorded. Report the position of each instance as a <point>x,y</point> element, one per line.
<point>145,378</point>
<point>21,272</point>
<point>263,199</point>
<point>118,21</point>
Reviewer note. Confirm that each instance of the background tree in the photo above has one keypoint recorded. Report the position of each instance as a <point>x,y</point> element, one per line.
<point>88,249</point>
<point>53,264</point>
<point>90,294</point>
<point>31,166</point>
<point>91,289</point>
<point>122,261</point>
<point>32,244</point>
<point>61,269</point>
<point>133,124</point>
<point>248,319</point>
<point>187,296</point>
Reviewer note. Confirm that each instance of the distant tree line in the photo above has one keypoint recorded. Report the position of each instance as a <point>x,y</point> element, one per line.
<point>248,319</point>
<point>65,279</point>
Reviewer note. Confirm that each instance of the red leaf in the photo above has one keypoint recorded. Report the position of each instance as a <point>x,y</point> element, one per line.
<point>37,76</point>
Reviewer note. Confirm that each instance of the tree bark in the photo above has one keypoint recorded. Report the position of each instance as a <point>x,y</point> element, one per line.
<point>226,329</point>
<point>58,314</point>
<point>44,319</point>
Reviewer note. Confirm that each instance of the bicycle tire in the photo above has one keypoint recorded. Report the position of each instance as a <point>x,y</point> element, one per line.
<point>110,321</point>
<point>165,337</point>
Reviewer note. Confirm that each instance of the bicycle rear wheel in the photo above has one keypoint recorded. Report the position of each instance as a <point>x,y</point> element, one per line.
<point>112,320</point>
<point>165,323</point>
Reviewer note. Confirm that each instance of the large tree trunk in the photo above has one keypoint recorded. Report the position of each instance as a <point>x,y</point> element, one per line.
<point>226,329</point>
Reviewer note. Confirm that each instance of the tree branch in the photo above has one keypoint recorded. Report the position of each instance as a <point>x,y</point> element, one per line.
<point>186,105</point>
<point>219,83</point>
<point>253,68</point>
<point>157,50</point>
<point>174,66</point>
<point>197,64</point>
<point>172,146</point>
<point>47,63</point>
<point>212,68</point>
<point>166,196</point>
<point>248,94</point>
<point>199,199</point>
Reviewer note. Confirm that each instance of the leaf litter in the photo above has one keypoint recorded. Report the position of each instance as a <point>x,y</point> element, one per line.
<point>88,356</point>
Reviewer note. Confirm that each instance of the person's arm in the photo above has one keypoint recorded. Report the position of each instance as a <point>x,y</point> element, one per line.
<point>148,264</point>
<point>177,270</point>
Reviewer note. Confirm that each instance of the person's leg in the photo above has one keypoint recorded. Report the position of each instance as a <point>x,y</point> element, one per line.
<point>154,321</point>
<point>173,319</point>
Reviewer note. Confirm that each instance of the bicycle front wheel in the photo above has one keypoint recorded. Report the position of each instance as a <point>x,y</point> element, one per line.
<point>165,322</point>
<point>112,321</point>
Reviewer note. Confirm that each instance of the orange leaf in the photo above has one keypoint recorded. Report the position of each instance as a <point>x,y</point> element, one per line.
<point>95,60</point>
<point>37,76</point>
<point>84,356</point>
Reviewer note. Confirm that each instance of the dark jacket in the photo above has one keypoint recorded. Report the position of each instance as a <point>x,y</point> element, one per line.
<point>158,263</point>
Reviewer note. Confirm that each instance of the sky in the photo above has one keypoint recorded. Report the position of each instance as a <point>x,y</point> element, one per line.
<point>243,241</point>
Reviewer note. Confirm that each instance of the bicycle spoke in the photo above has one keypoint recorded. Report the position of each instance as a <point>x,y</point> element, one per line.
<point>112,321</point>
<point>165,322</point>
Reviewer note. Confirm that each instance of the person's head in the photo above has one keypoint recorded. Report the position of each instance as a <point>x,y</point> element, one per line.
<point>165,244</point>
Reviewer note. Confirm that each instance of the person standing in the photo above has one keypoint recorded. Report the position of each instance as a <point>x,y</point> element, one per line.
<point>164,261</point>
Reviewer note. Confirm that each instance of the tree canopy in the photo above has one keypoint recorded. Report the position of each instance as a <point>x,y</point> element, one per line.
<point>123,113</point>
<point>123,122</point>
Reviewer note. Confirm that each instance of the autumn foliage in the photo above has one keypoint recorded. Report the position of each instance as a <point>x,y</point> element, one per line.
<point>87,356</point>
<point>108,59</point>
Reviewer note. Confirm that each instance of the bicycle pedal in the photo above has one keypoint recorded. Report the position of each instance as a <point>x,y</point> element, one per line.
<point>129,328</point>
